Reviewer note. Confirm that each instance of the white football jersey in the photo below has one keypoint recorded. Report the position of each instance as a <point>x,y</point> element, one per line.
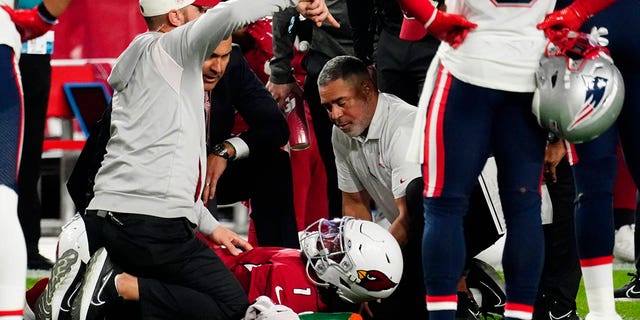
<point>503,52</point>
<point>8,34</point>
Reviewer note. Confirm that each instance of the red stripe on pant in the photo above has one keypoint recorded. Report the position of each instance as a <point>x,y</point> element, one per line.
<point>7,313</point>
<point>598,261</point>
<point>434,155</point>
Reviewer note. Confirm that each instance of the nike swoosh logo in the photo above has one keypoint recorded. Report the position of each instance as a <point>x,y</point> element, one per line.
<point>99,301</point>
<point>560,317</point>
<point>68,302</point>
<point>69,296</point>
<point>500,301</point>
<point>305,291</point>
<point>402,181</point>
<point>631,291</point>
<point>278,290</point>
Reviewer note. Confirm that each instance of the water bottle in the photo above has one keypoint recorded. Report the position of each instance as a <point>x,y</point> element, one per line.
<point>298,124</point>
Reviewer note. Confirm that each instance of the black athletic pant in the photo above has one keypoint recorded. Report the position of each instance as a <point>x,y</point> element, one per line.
<point>561,273</point>
<point>35,70</point>
<point>179,276</point>
<point>402,65</point>
<point>322,125</point>
<point>265,178</point>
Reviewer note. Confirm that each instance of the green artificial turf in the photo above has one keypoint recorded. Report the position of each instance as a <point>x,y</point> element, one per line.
<point>628,310</point>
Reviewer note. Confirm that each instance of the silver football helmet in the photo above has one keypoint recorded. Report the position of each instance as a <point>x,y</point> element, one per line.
<point>579,91</point>
<point>359,258</point>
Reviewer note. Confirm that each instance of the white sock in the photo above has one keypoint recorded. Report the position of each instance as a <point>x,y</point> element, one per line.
<point>13,257</point>
<point>598,284</point>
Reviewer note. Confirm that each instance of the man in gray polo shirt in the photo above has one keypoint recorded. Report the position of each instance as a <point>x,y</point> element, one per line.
<point>369,139</point>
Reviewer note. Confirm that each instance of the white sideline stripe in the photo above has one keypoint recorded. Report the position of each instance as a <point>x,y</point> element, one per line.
<point>79,62</point>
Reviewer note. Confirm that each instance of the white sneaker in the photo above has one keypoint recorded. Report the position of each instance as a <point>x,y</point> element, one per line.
<point>593,316</point>
<point>624,247</point>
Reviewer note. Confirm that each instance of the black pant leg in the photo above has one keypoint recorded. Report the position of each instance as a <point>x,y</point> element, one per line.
<point>561,273</point>
<point>322,126</point>
<point>264,177</point>
<point>636,236</point>
<point>479,228</point>
<point>179,276</point>
<point>402,65</point>
<point>410,294</point>
<point>36,80</point>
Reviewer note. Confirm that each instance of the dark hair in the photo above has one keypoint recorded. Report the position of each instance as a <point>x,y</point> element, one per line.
<point>343,67</point>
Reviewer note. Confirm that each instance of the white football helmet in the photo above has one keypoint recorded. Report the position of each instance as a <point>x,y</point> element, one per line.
<point>359,258</point>
<point>579,91</point>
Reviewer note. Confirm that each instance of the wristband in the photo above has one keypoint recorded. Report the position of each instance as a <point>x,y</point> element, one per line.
<point>431,19</point>
<point>235,152</point>
<point>45,14</point>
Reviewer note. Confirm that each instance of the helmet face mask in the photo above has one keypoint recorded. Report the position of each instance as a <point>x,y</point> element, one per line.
<point>579,91</point>
<point>358,258</point>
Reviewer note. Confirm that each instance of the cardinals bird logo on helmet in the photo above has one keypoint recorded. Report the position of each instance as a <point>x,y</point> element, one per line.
<point>359,258</point>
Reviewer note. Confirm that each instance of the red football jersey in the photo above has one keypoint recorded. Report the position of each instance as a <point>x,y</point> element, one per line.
<point>278,273</point>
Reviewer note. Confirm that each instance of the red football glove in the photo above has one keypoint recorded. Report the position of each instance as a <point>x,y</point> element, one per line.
<point>451,28</point>
<point>29,22</point>
<point>571,17</point>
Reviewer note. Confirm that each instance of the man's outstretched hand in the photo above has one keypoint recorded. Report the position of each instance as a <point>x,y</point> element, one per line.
<point>316,11</point>
<point>232,241</point>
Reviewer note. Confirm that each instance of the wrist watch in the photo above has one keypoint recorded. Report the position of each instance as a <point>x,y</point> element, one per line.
<point>220,150</point>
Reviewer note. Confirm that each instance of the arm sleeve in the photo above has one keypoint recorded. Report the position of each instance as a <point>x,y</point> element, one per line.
<point>280,65</point>
<point>591,7</point>
<point>206,222</point>
<point>422,10</point>
<point>360,19</point>
<point>193,42</point>
<point>268,128</point>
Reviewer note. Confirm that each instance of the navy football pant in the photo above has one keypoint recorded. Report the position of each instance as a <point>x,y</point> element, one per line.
<point>596,169</point>
<point>473,123</point>
<point>10,118</point>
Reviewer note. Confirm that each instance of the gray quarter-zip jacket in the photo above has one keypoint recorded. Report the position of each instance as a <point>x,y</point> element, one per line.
<point>156,157</point>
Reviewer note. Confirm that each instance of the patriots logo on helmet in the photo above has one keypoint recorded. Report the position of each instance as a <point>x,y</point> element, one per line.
<point>374,280</point>
<point>596,87</point>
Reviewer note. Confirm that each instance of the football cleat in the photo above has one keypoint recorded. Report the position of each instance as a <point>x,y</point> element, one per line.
<point>554,310</point>
<point>630,291</point>
<point>98,288</point>
<point>67,272</point>
<point>467,307</point>
<point>485,279</point>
